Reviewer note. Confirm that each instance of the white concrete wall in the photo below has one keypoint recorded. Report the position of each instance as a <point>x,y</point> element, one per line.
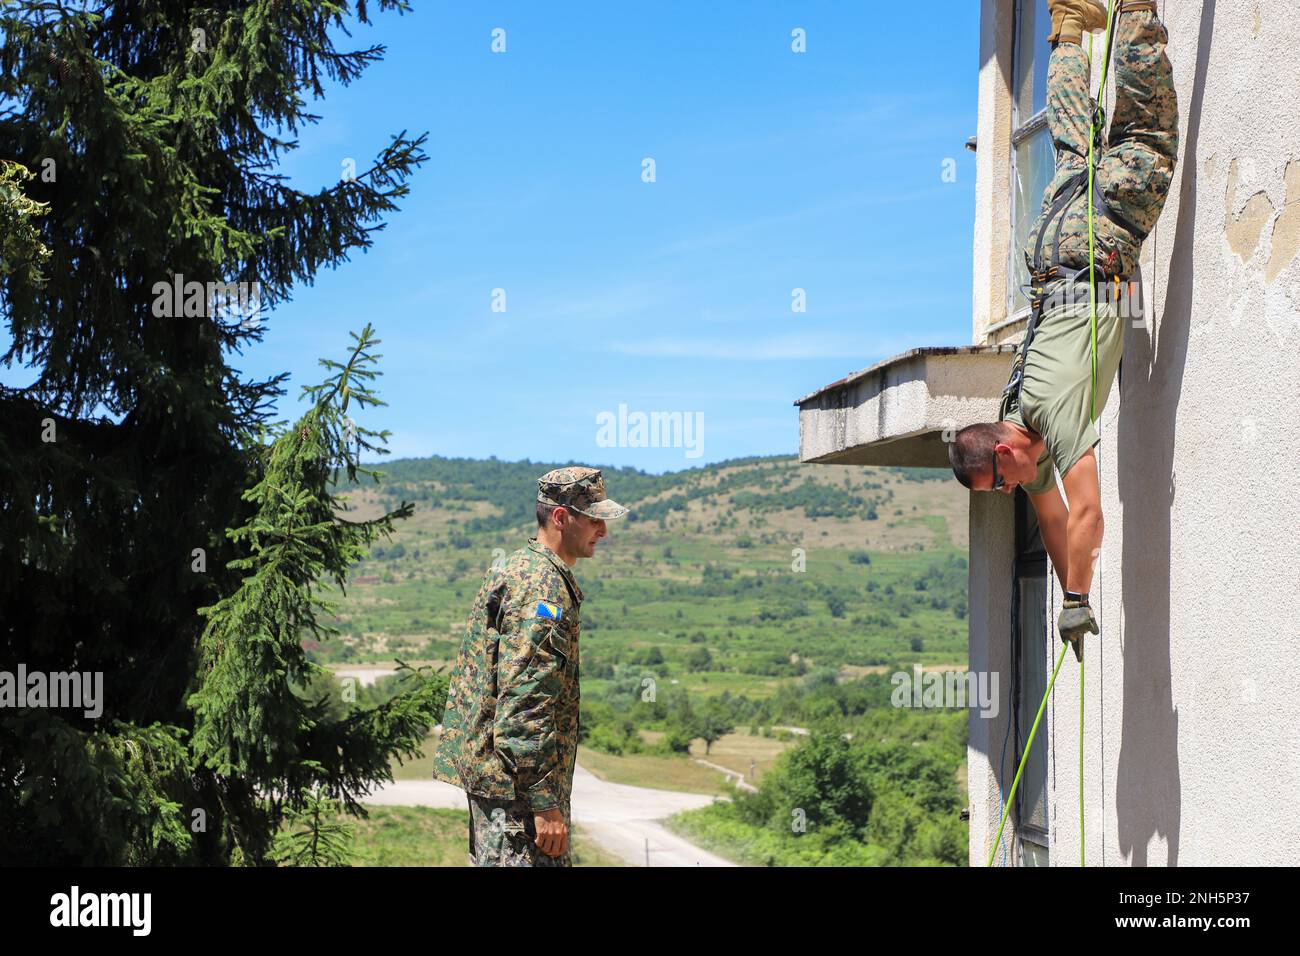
<point>1192,749</point>
<point>992,536</point>
<point>993,167</point>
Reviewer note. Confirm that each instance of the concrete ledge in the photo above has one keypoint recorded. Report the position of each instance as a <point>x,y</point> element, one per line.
<point>894,412</point>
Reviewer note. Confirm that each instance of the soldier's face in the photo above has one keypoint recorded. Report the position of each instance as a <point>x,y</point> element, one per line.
<point>1014,467</point>
<point>581,534</point>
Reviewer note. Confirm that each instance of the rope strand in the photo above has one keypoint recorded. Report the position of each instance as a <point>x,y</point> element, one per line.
<point>1098,122</point>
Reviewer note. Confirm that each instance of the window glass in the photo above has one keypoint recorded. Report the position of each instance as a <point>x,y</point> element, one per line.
<point>1032,793</point>
<point>1035,163</point>
<point>1033,155</point>
<point>1033,660</point>
<point>1031,854</point>
<point>1034,23</point>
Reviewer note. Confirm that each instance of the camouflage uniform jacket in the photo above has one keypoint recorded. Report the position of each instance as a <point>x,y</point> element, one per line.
<point>510,730</point>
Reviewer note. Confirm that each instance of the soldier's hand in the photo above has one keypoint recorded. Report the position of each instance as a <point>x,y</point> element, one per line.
<point>1076,619</point>
<point>552,834</point>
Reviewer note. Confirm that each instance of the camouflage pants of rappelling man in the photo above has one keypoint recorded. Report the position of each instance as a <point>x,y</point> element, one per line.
<point>1135,165</point>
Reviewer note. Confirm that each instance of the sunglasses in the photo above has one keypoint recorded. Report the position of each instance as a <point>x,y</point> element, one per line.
<point>998,481</point>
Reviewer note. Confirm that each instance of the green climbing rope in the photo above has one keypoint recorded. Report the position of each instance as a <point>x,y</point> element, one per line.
<point>1019,770</point>
<point>1098,121</point>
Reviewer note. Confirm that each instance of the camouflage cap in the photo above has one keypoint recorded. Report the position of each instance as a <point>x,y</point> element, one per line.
<point>581,489</point>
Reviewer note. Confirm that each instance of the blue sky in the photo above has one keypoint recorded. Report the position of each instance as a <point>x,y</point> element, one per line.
<point>774,171</point>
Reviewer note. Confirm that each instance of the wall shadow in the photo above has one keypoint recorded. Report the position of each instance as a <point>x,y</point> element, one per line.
<point>1148,789</point>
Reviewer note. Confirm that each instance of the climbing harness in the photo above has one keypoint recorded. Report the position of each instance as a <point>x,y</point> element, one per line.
<point>1048,276</point>
<point>1045,278</point>
<point>1050,284</point>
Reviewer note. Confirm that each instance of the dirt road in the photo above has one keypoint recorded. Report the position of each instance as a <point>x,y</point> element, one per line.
<point>622,818</point>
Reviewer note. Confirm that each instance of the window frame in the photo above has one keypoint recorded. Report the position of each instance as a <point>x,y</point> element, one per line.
<point>1020,133</point>
<point>1031,562</point>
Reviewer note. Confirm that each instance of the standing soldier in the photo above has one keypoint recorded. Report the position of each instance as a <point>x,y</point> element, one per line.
<point>510,731</point>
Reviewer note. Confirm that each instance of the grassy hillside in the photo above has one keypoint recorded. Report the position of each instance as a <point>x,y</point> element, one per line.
<point>701,574</point>
<point>735,600</point>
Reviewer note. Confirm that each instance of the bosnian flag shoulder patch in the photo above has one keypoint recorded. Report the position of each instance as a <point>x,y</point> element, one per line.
<point>548,610</point>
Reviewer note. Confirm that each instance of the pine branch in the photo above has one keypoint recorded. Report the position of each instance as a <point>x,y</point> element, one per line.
<point>248,721</point>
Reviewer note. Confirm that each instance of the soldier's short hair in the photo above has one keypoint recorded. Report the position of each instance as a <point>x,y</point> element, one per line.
<point>544,513</point>
<point>971,450</point>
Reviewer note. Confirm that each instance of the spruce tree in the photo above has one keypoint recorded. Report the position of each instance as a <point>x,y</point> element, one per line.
<point>155,524</point>
<point>20,244</point>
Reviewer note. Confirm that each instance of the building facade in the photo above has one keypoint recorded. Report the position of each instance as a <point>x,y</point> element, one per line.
<point>1191,749</point>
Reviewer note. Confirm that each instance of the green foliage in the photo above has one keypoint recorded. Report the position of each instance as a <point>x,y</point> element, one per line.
<point>21,249</point>
<point>871,785</point>
<point>712,721</point>
<point>247,720</point>
<point>827,802</point>
<point>614,739</point>
<point>406,681</point>
<point>816,501</point>
<point>162,162</point>
<point>699,659</point>
<point>135,779</point>
<point>249,723</point>
<point>677,738</point>
<point>323,691</point>
<point>316,834</point>
<point>818,782</point>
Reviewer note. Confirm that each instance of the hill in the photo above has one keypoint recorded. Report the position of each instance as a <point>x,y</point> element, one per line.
<point>752,568</point>
<point>735,600</point>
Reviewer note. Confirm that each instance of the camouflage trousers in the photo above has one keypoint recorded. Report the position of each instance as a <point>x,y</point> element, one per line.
<point>1136,160</point>
<point>503,833</point>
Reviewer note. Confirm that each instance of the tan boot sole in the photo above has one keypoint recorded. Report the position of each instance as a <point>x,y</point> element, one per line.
<point>1070,23</point>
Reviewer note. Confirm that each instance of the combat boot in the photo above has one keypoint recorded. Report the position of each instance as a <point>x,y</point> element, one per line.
<point>1071,19</point>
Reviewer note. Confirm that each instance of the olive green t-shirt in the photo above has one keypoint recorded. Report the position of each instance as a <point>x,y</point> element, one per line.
<point>1056,399</point>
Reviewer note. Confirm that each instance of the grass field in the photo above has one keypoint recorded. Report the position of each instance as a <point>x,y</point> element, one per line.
<point>733,751</point>
<point>428,836</point>
<point>420,768</point>
<point>745,753</point>
<point>649,770</point>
